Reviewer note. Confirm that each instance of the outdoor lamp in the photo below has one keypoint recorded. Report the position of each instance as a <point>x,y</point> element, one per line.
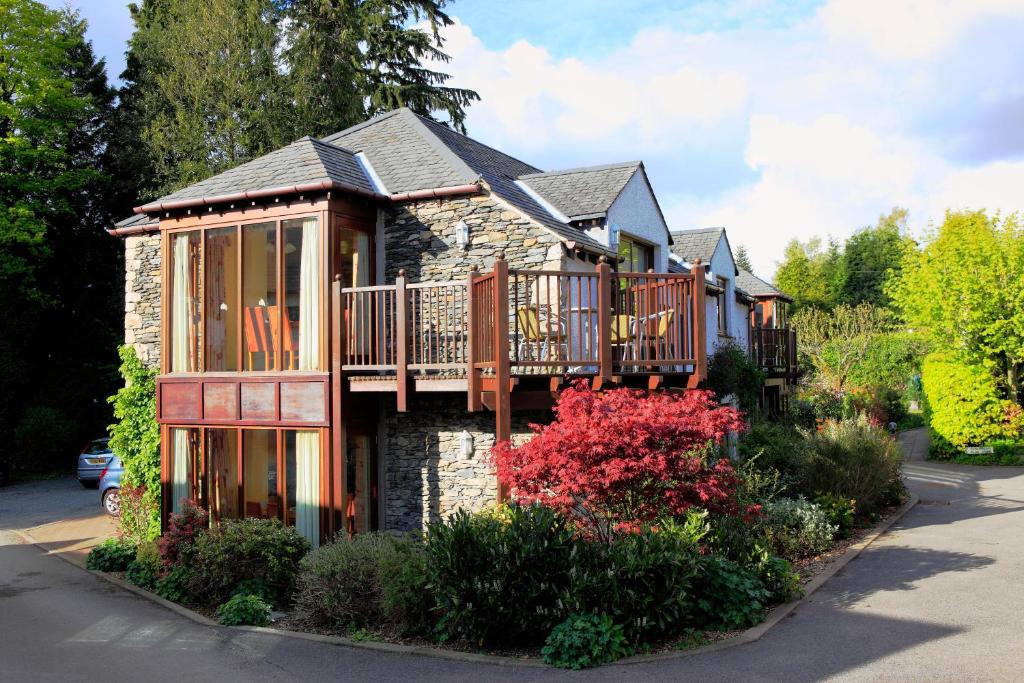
<point>462,234</point>
<point>466,445</point>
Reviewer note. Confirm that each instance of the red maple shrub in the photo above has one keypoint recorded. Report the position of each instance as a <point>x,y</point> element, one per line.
<point>182,529</point>
<point>622,459</point>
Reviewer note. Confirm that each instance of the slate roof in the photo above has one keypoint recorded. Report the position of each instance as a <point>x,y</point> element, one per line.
<point>756,287</point>
<point>582,192</point>
<point>304,161</point>
<point>410,152</point>
<point>692,244</point>
<point>136,220</point>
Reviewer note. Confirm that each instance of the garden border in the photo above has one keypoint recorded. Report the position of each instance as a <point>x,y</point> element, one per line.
<point>752,634</point>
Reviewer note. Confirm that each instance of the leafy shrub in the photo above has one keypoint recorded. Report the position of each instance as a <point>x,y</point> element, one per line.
<point>732,371</point>
<point>500,582</point>
<point>857,461</point>
<point>244,610</point>
<point>135,511</point>
<point>372,581</point>
<point>728,596</point>
<point>964,404</point>
<point>642,581</point>
<point>174,585</point>
<point>177,545</point>
<point>112,555</point>
<point>778,578</point>
<point>583,641</point>
<point>624,458</point>
<point>841,512</point>
<point>824,404</point>
<point>135,438</point>
<point>775,446</point>
<point>796,528</point>
<point>254,587</point>
<point>144,570</point>
<point>236,550</point>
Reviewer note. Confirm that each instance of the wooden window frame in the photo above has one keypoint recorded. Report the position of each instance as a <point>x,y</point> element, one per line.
<point>723,306</point>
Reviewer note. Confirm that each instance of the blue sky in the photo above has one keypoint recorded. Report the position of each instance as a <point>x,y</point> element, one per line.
<point>775,119</point>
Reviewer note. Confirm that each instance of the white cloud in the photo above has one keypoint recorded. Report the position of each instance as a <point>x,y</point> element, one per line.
<point>810,128</point>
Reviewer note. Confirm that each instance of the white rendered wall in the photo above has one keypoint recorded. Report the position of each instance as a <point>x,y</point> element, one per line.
<point>635,212</point>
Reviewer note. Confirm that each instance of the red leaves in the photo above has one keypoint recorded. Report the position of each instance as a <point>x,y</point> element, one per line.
<point>625,457</point>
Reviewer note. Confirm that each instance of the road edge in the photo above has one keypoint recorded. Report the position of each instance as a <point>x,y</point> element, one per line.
<point>752,634</point>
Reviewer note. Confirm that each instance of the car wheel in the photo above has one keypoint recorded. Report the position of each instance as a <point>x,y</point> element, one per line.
<point>112,502</point>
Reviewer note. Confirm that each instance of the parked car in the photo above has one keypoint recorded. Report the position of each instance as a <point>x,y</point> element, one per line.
<point>91,462</point>
<point>110,486</point>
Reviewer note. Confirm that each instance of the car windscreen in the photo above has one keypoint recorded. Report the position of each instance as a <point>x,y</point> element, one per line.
<point>99,446</point>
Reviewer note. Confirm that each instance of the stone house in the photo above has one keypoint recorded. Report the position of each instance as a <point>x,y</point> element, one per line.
<point>344,327</point>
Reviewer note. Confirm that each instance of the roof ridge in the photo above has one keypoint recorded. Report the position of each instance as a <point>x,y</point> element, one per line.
<point>362,124</point>
<point>690,231</point>
<point>583,169</point>
<point>431,138</point>
<point>330,145</point>
<point>426,120</point>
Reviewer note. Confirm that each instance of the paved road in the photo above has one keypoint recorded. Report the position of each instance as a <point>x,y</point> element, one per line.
<point>936,599</point>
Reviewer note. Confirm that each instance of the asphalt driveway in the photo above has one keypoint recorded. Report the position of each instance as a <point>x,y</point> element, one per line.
<point>938,598</point>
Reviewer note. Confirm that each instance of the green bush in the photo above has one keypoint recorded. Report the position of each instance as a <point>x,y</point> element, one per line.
<point>374,581</point>
<point>731,370</point>
<point>174,585</point>
<point>254,587</point>
<point>795,528</point>
<point>841,512</point>
<point>857,461</point>
<point>641,580</point>
<point>583,641</point>
<point>236,550</point>
<point>135,438</point>
<point>964,404</point>
<point>497,581</point>
<point>244,610</point>
<point>728,596</point>
<point>112,555</point>
<point>778,578</point>
<point>144,570</point>
<point>775,446</point>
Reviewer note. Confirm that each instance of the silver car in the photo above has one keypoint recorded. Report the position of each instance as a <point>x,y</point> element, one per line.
<point>92,461</point>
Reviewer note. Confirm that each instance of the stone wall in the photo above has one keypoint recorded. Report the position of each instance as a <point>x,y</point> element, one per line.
<point>142,296</point>
<point>425,477</point>
<point>420,237</point>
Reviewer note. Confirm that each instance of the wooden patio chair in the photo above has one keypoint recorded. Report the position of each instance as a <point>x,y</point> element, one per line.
<point>259,337</point>
<point>622,334</point>
<point>537,333</point>
<point>289,340</point>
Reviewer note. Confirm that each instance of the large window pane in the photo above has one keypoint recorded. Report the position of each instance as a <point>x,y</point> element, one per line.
<point>222,472</point>
<point>185,466</point>
<point>259,462</point>
<point>303,280</point>
<point>259,295</point>
<point>222,299</point>
<point>183,318</point>
<point>302,462</point>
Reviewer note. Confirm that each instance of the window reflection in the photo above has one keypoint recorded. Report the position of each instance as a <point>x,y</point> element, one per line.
<point>259,295</point>
<point>222,299</point>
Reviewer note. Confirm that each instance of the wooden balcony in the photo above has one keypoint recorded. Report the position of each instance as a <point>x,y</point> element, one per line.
<point>516,329</point>
<point>774,351</point>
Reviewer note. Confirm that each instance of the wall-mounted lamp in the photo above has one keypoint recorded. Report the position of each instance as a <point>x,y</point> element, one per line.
<point>462,234</point>
<point>466,445</point>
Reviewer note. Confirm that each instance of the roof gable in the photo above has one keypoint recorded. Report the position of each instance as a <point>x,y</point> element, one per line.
<point>691,245</point>
<point>756,287</point>
<point>581,193</point>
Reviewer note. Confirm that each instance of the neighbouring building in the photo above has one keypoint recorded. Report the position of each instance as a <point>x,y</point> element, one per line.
<point>344,327</point>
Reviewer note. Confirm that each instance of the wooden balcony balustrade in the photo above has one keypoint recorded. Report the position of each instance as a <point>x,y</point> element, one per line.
<point>774,350</point>
<point>487,330</point>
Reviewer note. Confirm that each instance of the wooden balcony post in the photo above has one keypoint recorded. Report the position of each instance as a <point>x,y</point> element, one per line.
<point>472,350</point>
<point>337,389</point>
<point>604,320</point>
<point>402,338</point>
<point>502,387</point>
<point>700,342</point>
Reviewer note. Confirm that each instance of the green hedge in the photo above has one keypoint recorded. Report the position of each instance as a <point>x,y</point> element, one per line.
<point>964,406</point>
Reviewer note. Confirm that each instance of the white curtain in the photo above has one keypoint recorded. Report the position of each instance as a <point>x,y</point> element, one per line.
<point>307,485</point>
<point>179,468</point>
<point>309,297</point>
<point>180,314</point>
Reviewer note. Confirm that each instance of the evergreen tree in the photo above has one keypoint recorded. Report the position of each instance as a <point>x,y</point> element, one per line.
<point>809,273</point>
<point>872,257</point>
<point>743,259</point>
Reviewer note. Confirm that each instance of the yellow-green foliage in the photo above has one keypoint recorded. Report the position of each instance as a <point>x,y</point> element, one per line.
<point>964,401</point>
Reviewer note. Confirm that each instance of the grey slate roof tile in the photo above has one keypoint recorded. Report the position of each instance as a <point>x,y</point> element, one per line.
<point>693,244</point>
<point>755,286</point>
<point>136,220</point>
<point>304,161</point>
<point>582,192</point>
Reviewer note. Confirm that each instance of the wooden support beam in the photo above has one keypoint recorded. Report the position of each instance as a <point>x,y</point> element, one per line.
<point>337,390</point>
<point>472,349</point>
<point>502,403</point>
<point>653,382</point>
<point>402,337</point>
<point>700,341</point>
<point>604,320</point>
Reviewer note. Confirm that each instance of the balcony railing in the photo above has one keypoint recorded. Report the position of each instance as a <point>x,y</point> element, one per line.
<point>774,350</point>
<point>521,322</point>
